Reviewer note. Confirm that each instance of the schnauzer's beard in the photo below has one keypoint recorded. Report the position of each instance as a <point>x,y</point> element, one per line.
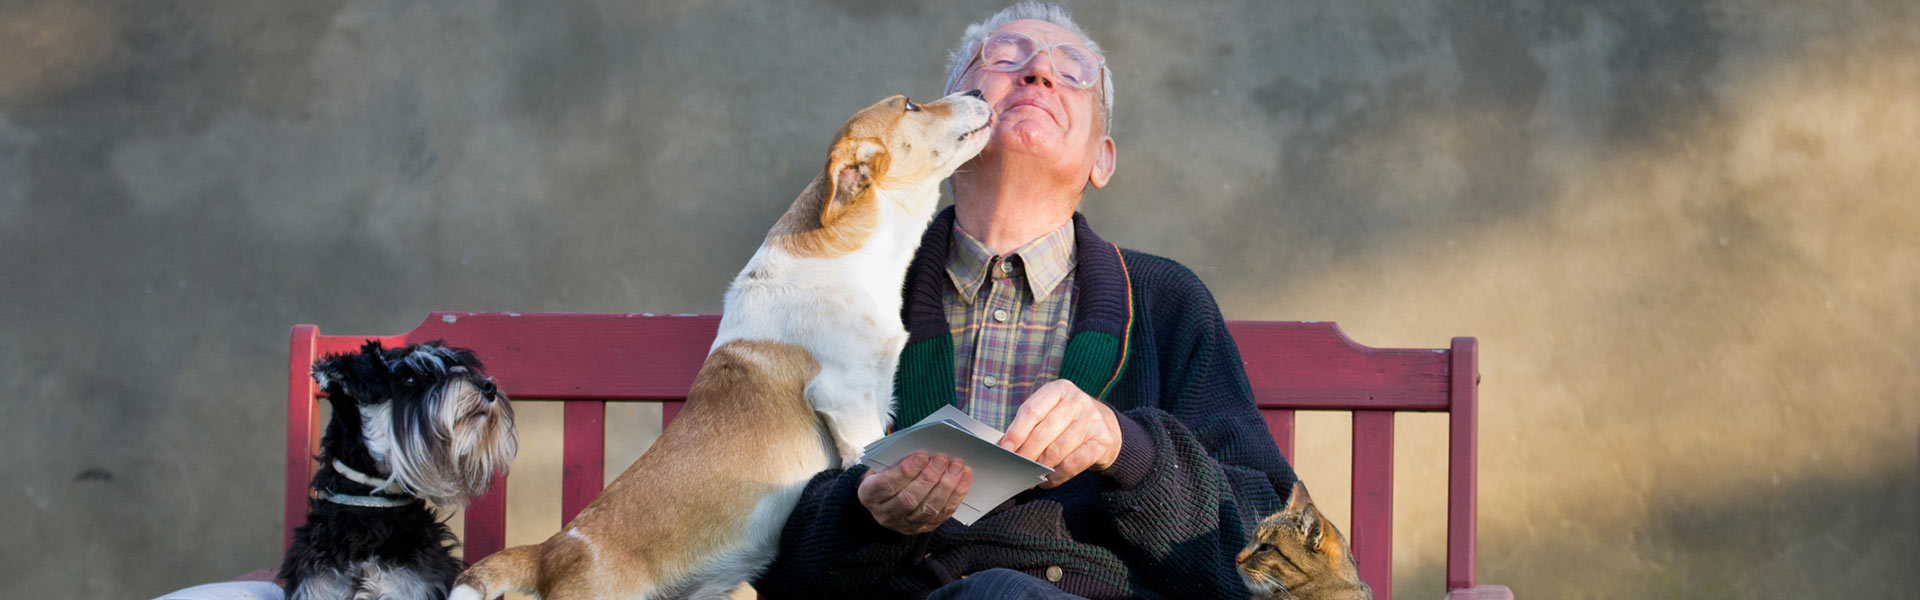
<point>447,447</point>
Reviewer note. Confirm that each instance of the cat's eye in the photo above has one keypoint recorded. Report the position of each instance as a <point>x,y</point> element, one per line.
<point>1264,547</point>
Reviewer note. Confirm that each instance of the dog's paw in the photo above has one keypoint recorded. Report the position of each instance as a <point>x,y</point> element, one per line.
<point>850,457</point>
<point>464,593</point>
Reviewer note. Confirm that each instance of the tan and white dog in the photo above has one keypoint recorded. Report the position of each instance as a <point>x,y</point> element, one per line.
<point>799,379</point>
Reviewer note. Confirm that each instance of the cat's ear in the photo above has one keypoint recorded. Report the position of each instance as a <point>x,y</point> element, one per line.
<point>1299,500</point>
<point>1310,523</point>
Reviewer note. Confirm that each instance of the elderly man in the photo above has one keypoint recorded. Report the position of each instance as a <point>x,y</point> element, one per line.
<point>1112,366</point>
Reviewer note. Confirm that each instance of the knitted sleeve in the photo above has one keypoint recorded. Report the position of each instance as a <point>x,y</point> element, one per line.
<point>831,547</point>
<point>1197,467</point>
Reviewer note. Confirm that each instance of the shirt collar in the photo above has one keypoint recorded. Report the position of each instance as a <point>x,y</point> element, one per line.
<point>1046,261</point>
<point>967,263</point>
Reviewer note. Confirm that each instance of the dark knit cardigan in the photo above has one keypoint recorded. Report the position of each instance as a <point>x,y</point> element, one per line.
<point>1196,469</point>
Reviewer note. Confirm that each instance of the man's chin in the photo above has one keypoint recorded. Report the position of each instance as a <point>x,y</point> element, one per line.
<point>1026,136</point>
<point>1027,112</point>
<point>999,149</point>
<point>1033,112</point>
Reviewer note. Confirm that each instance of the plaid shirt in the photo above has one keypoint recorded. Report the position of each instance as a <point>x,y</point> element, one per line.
<point>1010,318</point>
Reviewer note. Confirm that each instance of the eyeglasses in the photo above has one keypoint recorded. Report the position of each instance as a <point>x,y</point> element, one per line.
<point>1013,51</point>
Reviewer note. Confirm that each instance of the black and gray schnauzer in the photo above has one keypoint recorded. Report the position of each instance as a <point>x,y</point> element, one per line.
<point>409,424</point>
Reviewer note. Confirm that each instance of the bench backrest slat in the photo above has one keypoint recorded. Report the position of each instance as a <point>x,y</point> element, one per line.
<point>587,360</point>
<point>1280,424</point>
<point>583,456</point>
<point>1372,535</point>
<point>486,523</point>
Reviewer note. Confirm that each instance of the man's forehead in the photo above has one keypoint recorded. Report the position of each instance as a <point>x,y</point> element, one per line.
<point>1046,33</point>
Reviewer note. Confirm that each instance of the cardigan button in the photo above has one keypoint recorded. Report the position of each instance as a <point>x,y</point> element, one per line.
<point>1054,573</point>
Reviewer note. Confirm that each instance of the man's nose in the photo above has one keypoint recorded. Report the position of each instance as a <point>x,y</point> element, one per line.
<point>1040,70</point>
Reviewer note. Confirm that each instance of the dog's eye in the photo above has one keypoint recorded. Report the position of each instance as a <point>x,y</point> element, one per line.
<point>410,380</point>
<point>911,107</point>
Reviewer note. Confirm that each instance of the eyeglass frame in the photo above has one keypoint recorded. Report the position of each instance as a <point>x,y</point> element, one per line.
<point>981,57</point>
<point>1106,74</point>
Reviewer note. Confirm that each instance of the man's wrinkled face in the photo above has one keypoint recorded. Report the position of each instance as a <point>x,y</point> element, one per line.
<point>1036,111</point>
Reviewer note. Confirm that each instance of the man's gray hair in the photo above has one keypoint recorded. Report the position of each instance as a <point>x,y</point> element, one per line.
<point>969,47</point>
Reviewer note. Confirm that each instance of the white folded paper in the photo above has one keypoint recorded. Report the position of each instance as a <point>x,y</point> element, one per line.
<point>998,473</point>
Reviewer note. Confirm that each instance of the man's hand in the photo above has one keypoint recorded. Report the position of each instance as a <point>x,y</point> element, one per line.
<point>1065,429</point>
<point>917,494</point>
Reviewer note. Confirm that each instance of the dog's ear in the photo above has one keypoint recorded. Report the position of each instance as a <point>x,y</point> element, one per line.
<point>330,370</point>
<point>851,167</point>
<point>333,375</point>
<point>324,373</point>
<point>344,375</point>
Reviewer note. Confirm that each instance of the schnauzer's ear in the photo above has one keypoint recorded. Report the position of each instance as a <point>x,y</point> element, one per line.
<point>328,371</point>
<point>334,373</point>
<point>378,355</point>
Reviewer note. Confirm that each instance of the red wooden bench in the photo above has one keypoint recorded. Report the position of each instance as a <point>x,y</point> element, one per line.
<point>587,360</point>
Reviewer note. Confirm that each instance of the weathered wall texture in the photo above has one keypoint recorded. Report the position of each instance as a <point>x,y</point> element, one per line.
<point>1684,232</point>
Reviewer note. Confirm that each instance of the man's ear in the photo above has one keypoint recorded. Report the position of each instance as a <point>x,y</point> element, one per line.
<point>1103,163</point>
<point>850,167</point>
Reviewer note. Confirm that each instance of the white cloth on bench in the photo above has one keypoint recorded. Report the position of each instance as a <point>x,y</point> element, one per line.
<point>228,590</point>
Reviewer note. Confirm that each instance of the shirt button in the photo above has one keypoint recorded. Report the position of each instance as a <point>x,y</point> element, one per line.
<point>1006,267</point>
<point>1054,573</point>
<point>1000,315</point>
<point>989,381</point>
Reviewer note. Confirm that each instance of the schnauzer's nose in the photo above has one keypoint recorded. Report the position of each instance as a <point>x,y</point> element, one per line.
<point>486,387</point>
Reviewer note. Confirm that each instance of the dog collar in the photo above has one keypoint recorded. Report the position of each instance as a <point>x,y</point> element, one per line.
<point>363,479</point>
<point>367,501</point>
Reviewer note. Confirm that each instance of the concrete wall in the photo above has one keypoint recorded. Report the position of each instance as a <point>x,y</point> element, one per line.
<point>1683,231</point>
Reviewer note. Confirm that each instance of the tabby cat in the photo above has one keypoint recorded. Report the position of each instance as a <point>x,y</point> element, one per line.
<point>1296,554</point>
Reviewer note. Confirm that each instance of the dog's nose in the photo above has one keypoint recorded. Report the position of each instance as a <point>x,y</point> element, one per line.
<point>975,94</point>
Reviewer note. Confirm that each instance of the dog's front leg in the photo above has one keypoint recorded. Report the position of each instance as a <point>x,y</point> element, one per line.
<point>326,585</point>
<point>847,411</point>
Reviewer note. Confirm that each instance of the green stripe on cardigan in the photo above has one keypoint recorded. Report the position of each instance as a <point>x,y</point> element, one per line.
<point>924,382</point>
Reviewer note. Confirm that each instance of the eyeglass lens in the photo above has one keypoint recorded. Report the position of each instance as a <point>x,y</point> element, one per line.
<point>1009,51</point>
